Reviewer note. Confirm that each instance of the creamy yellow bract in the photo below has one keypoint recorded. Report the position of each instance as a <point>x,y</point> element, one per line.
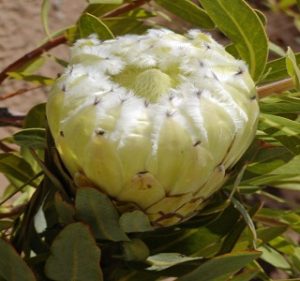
<point>155,120</point>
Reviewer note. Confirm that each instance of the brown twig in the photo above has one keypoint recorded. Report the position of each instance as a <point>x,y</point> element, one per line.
<point>16,121</point>
<point>5,148</point>
<point>62,40</point>
<point>29,182</point>
<point>18,92</point>
<point>32,55</point>
<point>275,87</point>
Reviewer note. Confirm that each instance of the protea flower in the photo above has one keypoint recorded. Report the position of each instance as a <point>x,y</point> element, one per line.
<point>154,120</point>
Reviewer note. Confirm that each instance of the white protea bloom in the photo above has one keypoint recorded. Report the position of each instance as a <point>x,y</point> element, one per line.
<point>155,120</point>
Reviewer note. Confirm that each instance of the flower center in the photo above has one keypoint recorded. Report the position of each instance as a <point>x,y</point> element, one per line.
<point>149,83</point>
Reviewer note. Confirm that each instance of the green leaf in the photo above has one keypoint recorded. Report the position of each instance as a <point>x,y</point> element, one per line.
<point>231,49</point>
<point>188,11</point>
<point>125,25</point>
<point>165,260</point>
<point>36,117</point>
<point>58,60</point>
<point>279,217</point>
<point>284,130</point>
<point>37,79</point>
<point>276,49</point>
<point>246,275</point>
<point>105,1</point>
<point>276,69</point>
<point>246,216</point>
<point>285,4</point>
<point>268,159</point>
<point>32,138</point>
<point>261,16</point>
<point>203,241</point>
<point>12,267</point>
<point>45,15</point>
<point>283,103</point>
<point>290,168</point>
<point>236,231</point>
<point>89,24</point>
<point>135,221</point>
<point>74,255</point>
<point>292,67</point>
<point>96,209</point>
<point>14,166</point>
<point>135,250</point>
<point>267,234</point>
<point>13,189</point>
<point>219,266</point>
<point>273,257</point>
<point>238,22</point>
<point>291,183</point>
<point>32,65</point>
<point>65,211</point>
<point>6,224</point>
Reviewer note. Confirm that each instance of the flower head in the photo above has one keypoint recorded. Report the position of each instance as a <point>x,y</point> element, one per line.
<point>155,120</point>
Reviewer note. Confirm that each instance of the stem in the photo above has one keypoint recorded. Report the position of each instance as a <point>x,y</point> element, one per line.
<point>275,87</point>
<point>62,40</point>
<point>29,182</point>
<point>5,148</point>
<point>18,92</point>
<point>32,55</point>
<point>8,119</point>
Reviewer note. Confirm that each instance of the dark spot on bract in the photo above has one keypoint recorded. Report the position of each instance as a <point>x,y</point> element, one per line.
<point>215,76</point>
<point>97,100</point>
<point>149,185</point>
<point>253,97</point>
<point>171,97</point>
<point>207,46</point>
<point>201,63</point>
<point>198,93</point>
<point>61,133</point>
<point>240,71</point>
<point>146,103</point>
<point>99,132</point>
<point>197,143</point>
<point>170,114</point>
<point>71,69</point>
<point>142,172</point>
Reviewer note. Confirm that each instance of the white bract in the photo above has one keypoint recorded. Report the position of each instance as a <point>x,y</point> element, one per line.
<point>155,120</point>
